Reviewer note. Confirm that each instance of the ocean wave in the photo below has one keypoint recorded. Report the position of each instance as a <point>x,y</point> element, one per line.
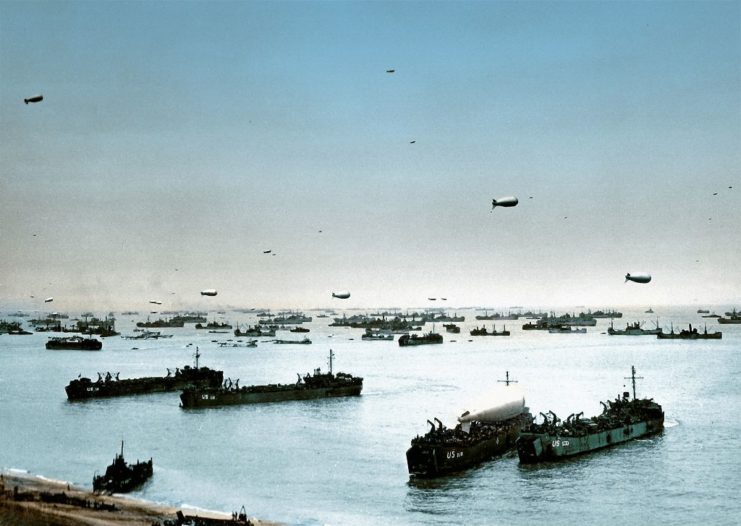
<point>671,423</point>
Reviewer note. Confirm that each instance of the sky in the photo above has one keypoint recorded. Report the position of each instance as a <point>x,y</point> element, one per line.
<point>177,141</point>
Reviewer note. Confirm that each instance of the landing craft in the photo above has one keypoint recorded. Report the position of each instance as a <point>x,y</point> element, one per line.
<point>341,295</point>
<point>209,292</point>
<point>48,300</point>
<point>638,277</point>
<point>504,201</point>
<point>35,98</point>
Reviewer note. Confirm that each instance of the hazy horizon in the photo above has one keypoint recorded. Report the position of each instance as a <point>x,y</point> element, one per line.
<point>177,142</point>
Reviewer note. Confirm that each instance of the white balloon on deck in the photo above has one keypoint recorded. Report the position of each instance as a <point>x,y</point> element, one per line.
<point>501,403</point>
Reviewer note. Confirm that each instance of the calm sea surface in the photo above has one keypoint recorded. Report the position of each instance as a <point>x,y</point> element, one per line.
<point>343,461</point>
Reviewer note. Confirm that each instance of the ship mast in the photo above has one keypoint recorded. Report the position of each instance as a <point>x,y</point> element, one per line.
<point>633,378</point>
<point>331,355</point>
<point>507,381</point>
<point>197,355</point>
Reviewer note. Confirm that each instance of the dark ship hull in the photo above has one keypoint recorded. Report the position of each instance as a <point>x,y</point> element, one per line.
<point>320,385</point>
<point>621,421</point>
<point>405,340</point>
<point>84,388</point>
<point>196,398</point>
<point>442,451</point>
<point>74,343</point>
<point>690,334</point>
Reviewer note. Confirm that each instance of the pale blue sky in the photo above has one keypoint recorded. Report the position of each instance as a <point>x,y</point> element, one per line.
<point>196,135</point>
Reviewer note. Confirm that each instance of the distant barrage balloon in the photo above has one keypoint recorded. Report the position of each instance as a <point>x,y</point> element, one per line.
<point>48,300</point>
<point>341,295</point>
<point>35,98</point>
<point>504,201</point>
<point>209,292</point>
<point>638,277</point>
<point>155,302</point>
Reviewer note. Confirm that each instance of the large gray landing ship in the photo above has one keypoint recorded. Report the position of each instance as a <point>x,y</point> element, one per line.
<point>622,419</point>
<point>318,385</point>
<point>480,435</point>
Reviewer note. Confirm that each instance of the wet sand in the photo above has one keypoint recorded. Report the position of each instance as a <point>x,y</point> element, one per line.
<point>27,499</point>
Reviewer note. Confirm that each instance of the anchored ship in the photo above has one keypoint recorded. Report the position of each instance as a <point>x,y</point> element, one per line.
<point>622,419</point>
<point>318,385</point>
<point>406,340</point>
<point>77,343</point>
<point>634,329</point>
<point>689,334</point>
<point>121,477</point>
<point>110,385</point>
<point>481,331</point>
<point>733,317</point>
<point>479,436</point>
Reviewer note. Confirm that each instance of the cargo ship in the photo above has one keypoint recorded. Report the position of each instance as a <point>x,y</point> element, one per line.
<point>634,329</point>
<point>690,334</point>
<point>318,385</point>
<point>76,343</point>
<point>621,420</point>
<point>479,436</point>
<point>481,331</point>
<point>733,317</point>
<point>256,331</point>
<point>160,324</point>
<point>406,340</point>
<point>110,385</point>
<point>121,477</point>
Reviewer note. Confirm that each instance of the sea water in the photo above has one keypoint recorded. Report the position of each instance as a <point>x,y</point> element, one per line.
<point>342,461</point>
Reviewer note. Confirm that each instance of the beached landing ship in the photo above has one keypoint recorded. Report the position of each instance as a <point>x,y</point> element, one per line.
<point>621,420</point>
<point>121,477</point>
<point>320,385</point>
<point>110,385</point>
<point>479,436</point>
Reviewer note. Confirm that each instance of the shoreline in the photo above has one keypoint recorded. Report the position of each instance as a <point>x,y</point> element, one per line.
<point>29,499</point>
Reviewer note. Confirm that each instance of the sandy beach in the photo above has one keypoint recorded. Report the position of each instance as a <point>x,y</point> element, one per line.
<point>27,499</point>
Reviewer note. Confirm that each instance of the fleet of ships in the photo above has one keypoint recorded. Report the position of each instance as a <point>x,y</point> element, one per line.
<point>504,424</point>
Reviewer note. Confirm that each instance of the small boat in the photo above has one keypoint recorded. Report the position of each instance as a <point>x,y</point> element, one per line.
<point>649,311</point>
<point>299,329</point>
<point>305,341</point>
<point>566,329</point>
<point>380,335</point>
<point>121,477</point>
